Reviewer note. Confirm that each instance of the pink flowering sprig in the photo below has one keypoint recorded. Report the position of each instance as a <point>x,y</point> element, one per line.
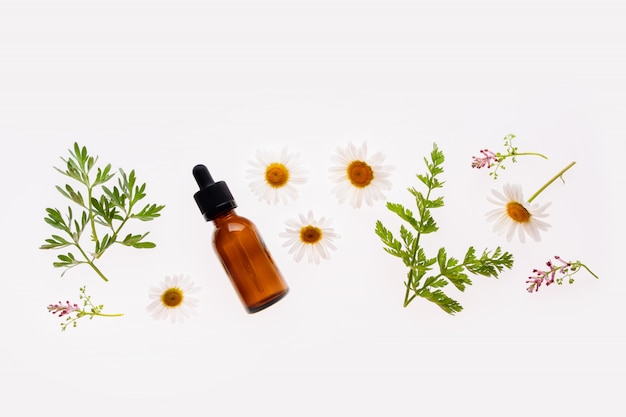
<point>490,159</point>
<point>557,272</point>
<point>74,312</point>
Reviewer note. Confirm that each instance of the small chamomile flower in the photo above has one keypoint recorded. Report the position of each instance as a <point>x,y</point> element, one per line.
<point>513,215</point>
<point>359,177</point>
<point>171,299</point>
<point>276,175</point>
<point>309,236</point>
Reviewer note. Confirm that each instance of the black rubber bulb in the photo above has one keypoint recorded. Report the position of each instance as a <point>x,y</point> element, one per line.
<point>202,176</point>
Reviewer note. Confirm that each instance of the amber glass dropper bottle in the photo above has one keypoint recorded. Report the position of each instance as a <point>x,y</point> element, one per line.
<point>239,245</point>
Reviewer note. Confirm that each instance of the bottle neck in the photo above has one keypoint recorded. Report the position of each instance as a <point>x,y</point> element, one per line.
<point>224,217</point>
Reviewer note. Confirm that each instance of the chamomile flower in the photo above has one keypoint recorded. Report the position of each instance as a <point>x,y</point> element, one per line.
<point>309,236</point>
<point>276,175</point>
<point>513,215</point>
<point>171,299</point>
<point>358,176</point>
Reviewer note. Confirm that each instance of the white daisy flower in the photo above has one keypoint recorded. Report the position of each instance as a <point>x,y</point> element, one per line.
<point>171,299</point>
<point>311,237</point>
<point>275,176</point>
<point>512,215</point>
<point>358,177</point>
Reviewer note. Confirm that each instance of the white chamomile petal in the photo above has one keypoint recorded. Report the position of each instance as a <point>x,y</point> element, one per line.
<point>275,176</point>
<point>357,177</point>
<point>309,236</point>
<point>171,298</point>
<point>514,216</point>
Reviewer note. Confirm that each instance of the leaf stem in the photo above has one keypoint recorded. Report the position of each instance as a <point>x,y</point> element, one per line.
<point>415,248</point>
<point>106,315</point>
<point>407,299</point>
<point>90,262</point>
<point>521,154</point>
<point>94,233</point>
<point>119,228</point>
<point>588,270</point>
<point>547,184</point>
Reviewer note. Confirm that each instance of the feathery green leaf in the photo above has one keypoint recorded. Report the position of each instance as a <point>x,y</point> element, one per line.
<point>427,276</point>
<point>105,211</point>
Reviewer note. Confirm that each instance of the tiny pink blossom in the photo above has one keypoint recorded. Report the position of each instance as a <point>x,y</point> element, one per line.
<point>63,310</point>
<point>486,160</point>
<point>549,276</point>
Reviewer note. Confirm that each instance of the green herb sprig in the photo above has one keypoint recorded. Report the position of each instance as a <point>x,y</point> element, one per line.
<point>427,276</point>
<point>558,271</point>
<point>74,312</point>
<point>102,211</point>
<point>495,160</point>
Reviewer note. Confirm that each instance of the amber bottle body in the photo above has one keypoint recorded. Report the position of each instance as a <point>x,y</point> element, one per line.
<point>247,262</point>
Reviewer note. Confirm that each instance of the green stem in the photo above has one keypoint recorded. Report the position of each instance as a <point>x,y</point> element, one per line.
<point>126,217</point>
<point>411,276</point>
<point>407,301</point>
<point>589,270</point>
<point>107,315</point>
<point>90,262</point>
<point>547,184</point>
<point>416,245</point>
<point>522,154</point>
<point>119,228</point>
<point>92,222</point>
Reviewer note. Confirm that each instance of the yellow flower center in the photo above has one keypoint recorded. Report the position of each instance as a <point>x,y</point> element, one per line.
<point>360,174</point>
<point>517,212</point>
<point>276,174</point>
<point>310,234</point>
<point>172,297</point>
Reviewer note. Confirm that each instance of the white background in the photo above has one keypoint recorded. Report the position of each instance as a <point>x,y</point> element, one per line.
<point>159,86</point>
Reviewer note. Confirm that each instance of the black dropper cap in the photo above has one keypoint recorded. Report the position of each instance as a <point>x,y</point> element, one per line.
<point>214,197</point>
